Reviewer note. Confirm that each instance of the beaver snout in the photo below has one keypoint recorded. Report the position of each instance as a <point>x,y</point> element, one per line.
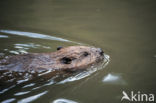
<point>100,51</point>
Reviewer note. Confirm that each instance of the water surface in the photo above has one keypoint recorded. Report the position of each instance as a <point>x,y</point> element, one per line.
<point>124,29</point>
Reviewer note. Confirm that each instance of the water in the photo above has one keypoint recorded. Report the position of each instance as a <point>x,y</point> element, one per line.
<point>124,29</point>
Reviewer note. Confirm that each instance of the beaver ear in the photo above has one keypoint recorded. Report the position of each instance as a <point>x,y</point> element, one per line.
<point>59,48</point>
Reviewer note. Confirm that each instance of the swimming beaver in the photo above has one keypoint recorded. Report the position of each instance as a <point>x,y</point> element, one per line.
<point>70,58</point>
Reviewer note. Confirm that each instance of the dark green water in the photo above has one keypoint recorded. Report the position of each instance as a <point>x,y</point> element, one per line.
<point>124,29</point>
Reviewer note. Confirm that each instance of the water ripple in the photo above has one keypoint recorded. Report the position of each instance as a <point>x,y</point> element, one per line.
<point>62,100</point>
<point>112,78</point>
<point>29,85</point>
<point>33,35</point>
<point>87,73</point>
<point>21,93</point>
<point>8,100</point>
<point>32,98</point>
<point>3,36</point>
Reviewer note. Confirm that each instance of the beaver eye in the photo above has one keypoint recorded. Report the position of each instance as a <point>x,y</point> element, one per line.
<point>85,54</point>
<point>67,60</point>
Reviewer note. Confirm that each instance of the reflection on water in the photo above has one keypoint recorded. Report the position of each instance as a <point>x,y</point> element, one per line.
<point>32,98</point>
<point>59,79</point>
<point>30,45</point>
<point>8,100</point>
<point>23,48</point>
<point>112,78</point>
<point>62,100</point>
<point>87,73</point>
<point>3,36</point>
<point>4,90</point>
<point>33,35</point>
<point>29,85</point>
<point>125,29</point>
<point>21,93</point>
<point>18,52</point>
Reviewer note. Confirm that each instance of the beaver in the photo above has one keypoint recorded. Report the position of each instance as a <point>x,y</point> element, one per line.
<point>69,59</point>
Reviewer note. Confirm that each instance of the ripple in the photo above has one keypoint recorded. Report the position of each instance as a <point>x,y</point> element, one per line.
<point>22,81</point>
<point>87,73</point>
<point>22,48</point>
<point>2,54</point>
<point>114,79</point>
<point>21,93</point>
<point>4,90</point>
<point>8,100</point>
<point>29,85</point>
<point>33,35</point>
<point>4,36</point>
<point>62,100</point>
<point>27,46</point>
<point>14,52</point>
<point>32,98</point>
<point>78,76</point>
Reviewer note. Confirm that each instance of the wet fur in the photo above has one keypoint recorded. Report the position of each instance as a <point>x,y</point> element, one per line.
<point>69,59</point>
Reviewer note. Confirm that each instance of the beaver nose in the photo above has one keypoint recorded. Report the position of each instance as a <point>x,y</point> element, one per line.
<point>101,51</point>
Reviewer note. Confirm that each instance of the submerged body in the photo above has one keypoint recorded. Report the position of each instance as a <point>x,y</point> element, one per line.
<point>72,58</point>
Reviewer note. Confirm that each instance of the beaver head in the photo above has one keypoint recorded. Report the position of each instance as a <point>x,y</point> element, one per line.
<point>77,57</point>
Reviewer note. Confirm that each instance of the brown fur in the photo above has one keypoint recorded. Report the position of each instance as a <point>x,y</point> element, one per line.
<point>70,58</point>
<point>36,66</point>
